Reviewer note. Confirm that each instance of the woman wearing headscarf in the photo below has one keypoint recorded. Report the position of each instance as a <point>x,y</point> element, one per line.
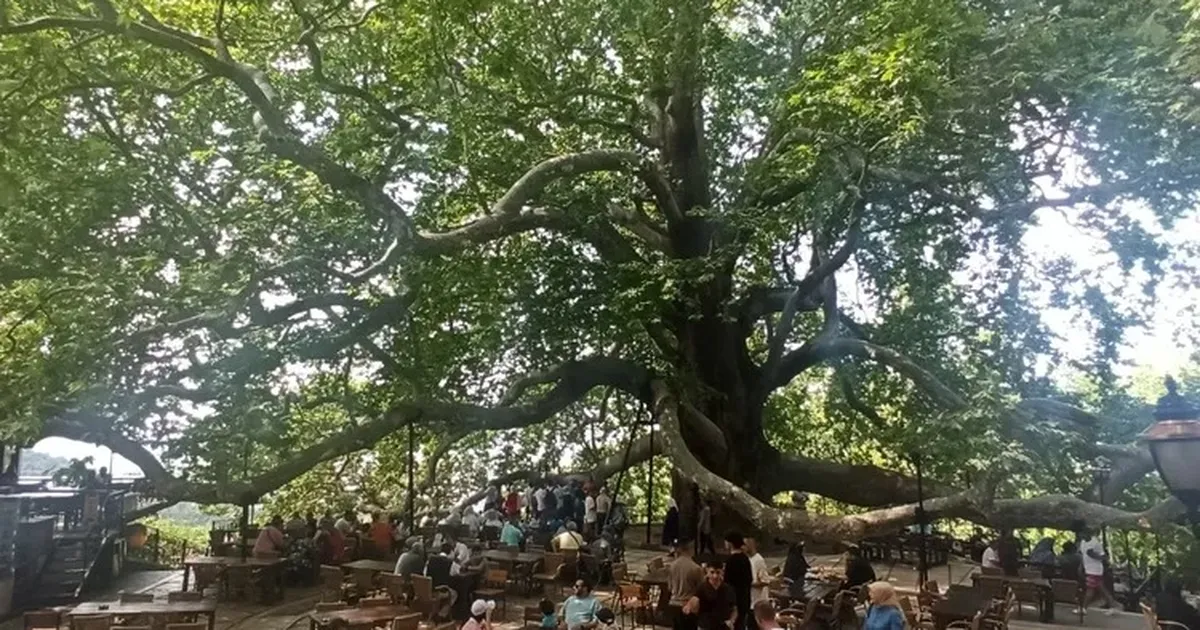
<point>884,612</point>
<point>670,530</point>
<point>1042,557</point>
<point>796,565</point>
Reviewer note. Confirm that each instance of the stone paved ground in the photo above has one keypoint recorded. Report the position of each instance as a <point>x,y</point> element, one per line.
<point>292,612</point>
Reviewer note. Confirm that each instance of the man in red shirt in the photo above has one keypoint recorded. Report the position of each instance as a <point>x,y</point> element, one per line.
<point>512,503</point>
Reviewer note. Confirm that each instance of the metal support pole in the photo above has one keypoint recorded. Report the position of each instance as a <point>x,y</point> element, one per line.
<point>650,487</point>
<point>922,567</point>
<point>411,507</point>
<point>245,527</point>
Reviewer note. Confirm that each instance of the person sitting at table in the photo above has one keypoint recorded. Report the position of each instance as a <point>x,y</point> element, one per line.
<point>381,535</point>
<point>296,526</point>
<point>858,569</point>
<point>481,615</point>
<point>271,540</point>
<point>579,611</point>
<point>884,612</point>
<point>991,556</point>
<point>568,540</point>
<point>1070,563</point>
<point>1169,605</point>
<point>346,523</point>
<point>460,553</point>
<point>715,604</point>
<point>331,545</point>
<point>440,568</point>
<point>412,560</point>
<point>511,534</point>
<point>764,615</point>
<point>796,565</point>
<point>472,521</point>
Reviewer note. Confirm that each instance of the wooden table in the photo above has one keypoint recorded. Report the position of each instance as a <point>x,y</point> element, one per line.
<point>379,566</point>
<point>960,606</point>
<point>807,591</point>
<point>205,607</point>
<point>271,564</point>
<point>355,616</point>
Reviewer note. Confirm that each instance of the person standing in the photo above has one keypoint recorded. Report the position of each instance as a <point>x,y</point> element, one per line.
<point>1093,556</point>
<point>739,575</point>
<point>684,578</point>
<point>704,528</point>
<point>603,505</point>
<point>589,516</point>
<point>670,530</point>
<point>759,588</point>
<point>714,604</point>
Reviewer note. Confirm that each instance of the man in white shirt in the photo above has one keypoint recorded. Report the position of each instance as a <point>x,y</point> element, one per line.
<point>1091,549</point>
<point>539,501</point>
<point>760,587</point>
<point>603,505</point>
<point>991,556</point>
<point>346,523</point>
<point>589,516</point>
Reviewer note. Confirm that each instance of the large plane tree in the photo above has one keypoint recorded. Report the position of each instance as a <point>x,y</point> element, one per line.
<point>240,239</point>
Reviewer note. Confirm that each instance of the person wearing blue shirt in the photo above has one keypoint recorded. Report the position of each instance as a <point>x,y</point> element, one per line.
<point>579,611</point>
<point>884,612</point>
<point>511,534</point>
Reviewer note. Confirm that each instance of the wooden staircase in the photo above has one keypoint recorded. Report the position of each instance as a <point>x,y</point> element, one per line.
<point>71,561</point>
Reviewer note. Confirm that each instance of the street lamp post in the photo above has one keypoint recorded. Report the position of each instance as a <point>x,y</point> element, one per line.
<point>1174,441</point>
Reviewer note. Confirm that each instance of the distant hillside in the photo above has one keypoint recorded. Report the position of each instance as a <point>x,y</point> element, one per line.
<point>36,463</point>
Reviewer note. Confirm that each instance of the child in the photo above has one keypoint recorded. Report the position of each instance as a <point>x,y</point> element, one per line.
<point>549,619</point>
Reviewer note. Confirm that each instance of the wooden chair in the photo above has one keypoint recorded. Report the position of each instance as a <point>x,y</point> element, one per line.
<point>991,586</point>
<point>42,620</point>
<point>633,601</point>
<point>395,585</point>
<point>620,573</point>
<point>406,622</point>
<point>125,597</point>
<point>184,596</point>
<point>1068,592</point>
<point>364,582</point>
<point>91,622</point>
<point>1154,623</point>
<point>1000,621</point>
<point>1025,592</point>
<point>795,617</point>
<point>549,570</point>
<point>425,599</point>
<point>206,575</point>
<point>973,624</point>
<point>371,602</point>
<point>494,586</point>
<point>332,582</point>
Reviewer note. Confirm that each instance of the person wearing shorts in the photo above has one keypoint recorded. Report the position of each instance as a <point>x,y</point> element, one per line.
<point>1092,551</point>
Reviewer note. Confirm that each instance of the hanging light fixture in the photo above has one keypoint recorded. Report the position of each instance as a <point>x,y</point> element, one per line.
<point>1174,442</point>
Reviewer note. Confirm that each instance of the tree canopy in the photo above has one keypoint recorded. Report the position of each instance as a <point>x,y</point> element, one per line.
<point>244,242</point>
